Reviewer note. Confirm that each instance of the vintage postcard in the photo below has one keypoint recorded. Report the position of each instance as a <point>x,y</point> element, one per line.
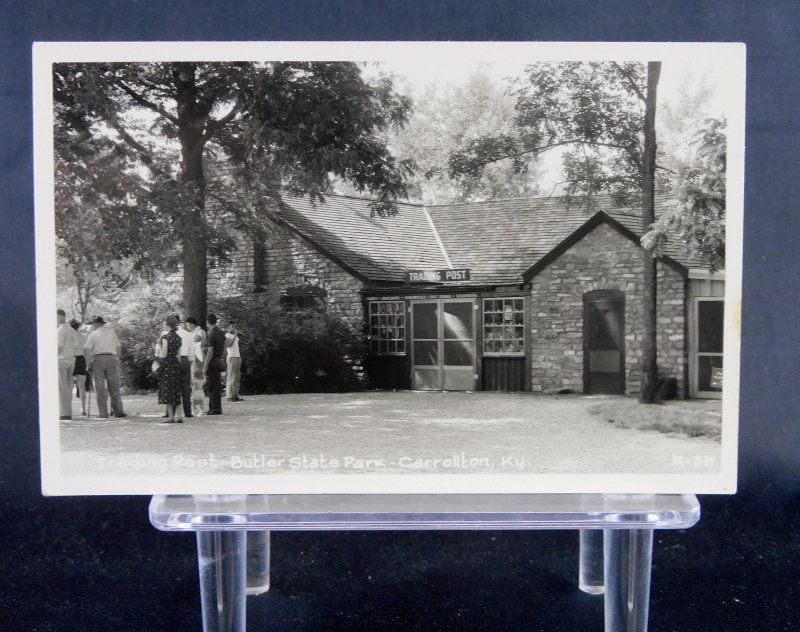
<point>402,267</point>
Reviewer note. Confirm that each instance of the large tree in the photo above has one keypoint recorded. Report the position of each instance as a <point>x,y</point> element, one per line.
<point>602,116</point>
<point>698,216</point>
<point>164,124</point>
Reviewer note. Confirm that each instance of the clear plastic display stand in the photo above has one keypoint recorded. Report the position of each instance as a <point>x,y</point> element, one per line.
<point>616,537</point>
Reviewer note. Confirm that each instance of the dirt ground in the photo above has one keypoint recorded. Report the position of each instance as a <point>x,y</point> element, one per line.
<point>386,432</point>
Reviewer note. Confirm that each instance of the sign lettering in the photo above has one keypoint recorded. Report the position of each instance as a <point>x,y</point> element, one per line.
<point>437,276</point>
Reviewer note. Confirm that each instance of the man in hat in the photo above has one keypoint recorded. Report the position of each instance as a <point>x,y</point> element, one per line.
<point>102,350</point>
<point>68,344</point>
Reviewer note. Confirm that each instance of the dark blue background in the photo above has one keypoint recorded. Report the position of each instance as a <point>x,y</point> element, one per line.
<point>95,563</point>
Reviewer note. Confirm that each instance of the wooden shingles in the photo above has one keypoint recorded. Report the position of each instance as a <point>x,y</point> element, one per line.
<point>498,240</point>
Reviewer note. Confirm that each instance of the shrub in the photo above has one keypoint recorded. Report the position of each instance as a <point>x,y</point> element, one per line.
<point>291,351</point>
<point>140,323</point>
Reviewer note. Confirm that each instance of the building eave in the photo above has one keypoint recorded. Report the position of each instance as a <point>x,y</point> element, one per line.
<point>601,217</point>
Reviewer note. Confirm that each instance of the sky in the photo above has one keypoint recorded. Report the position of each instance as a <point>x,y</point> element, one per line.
<point>674,73</point>
<point>682,68</point>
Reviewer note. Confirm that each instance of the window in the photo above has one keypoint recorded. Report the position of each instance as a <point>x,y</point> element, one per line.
<point>387,327</point>
<point>504,326</point>
<point>710,320</point>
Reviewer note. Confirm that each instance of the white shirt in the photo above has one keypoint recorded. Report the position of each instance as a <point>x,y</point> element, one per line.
<point>233,349</point>
<point>102,340</point>
<point>198,352</point>
<point>68,344</point>
<point>187,342</point>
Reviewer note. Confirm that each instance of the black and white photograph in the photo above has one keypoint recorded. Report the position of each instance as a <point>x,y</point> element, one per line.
<point>388,267</point>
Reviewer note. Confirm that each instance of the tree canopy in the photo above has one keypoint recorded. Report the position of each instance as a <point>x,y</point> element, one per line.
<point>446,119</point>
<point>698,216</point>
<point>164,159</point>
<point>592,111</point>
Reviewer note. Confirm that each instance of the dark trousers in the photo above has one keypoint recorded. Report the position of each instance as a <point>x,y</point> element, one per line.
<point>186,385</point>
<point>215,390</point>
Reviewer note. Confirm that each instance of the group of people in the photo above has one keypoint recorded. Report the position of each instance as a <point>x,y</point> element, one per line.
<point>90,358</point>
<point>186,357</point>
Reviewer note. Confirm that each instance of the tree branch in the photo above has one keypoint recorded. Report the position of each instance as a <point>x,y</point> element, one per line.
<point>636,89</point>
<point>144,154</point>
<point>138,98</point>
<point>535,151</point>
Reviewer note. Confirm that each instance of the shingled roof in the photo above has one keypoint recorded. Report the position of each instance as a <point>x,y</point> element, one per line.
<point>498,240</point>
<point>377,248</point>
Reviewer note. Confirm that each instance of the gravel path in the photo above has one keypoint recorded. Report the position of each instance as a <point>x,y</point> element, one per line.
<point>386,432</point>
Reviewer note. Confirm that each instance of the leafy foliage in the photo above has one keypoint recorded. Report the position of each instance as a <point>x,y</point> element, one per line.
<point>593,111</point>
<point>287,351</point>
<point>160,162</point>
<point>140,321</point>
<point>698,217</point>
<point>444,120</point>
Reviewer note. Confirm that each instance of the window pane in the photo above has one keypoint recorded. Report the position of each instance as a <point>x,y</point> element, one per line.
<point>426,379</point>
<point>605,326</point>
<point>425,320</point>
<point>709,373</point>
<point>458,321</point>
<point>710,318</point>
<point>458,352</point>
<point>426,352</point>
<point>604,361</point>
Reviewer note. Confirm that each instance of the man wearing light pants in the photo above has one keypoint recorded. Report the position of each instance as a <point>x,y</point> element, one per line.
<point>102,349</point>
<point>68,344</point>
<point>234,379</point>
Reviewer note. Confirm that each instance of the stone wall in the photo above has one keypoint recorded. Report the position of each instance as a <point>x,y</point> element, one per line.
<point>602,260</point>
<point>288,261</point>
<point>233,277</point>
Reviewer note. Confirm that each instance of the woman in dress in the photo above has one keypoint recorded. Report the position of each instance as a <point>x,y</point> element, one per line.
<point>169,374</point>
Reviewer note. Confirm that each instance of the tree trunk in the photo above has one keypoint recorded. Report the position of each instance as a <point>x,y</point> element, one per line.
<point>649,347</point>
<point>191,127</point>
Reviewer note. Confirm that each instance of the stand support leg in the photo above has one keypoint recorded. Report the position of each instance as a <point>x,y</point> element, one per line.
<point>257,562</point>
<point>221,558</point>
<point>590,565</point>
<point>628,557</point>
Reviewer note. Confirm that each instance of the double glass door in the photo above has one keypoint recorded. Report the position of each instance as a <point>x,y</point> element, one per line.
<point>443,344</point>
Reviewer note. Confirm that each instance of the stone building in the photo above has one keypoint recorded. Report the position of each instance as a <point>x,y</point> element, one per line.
<point>510,295</point>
